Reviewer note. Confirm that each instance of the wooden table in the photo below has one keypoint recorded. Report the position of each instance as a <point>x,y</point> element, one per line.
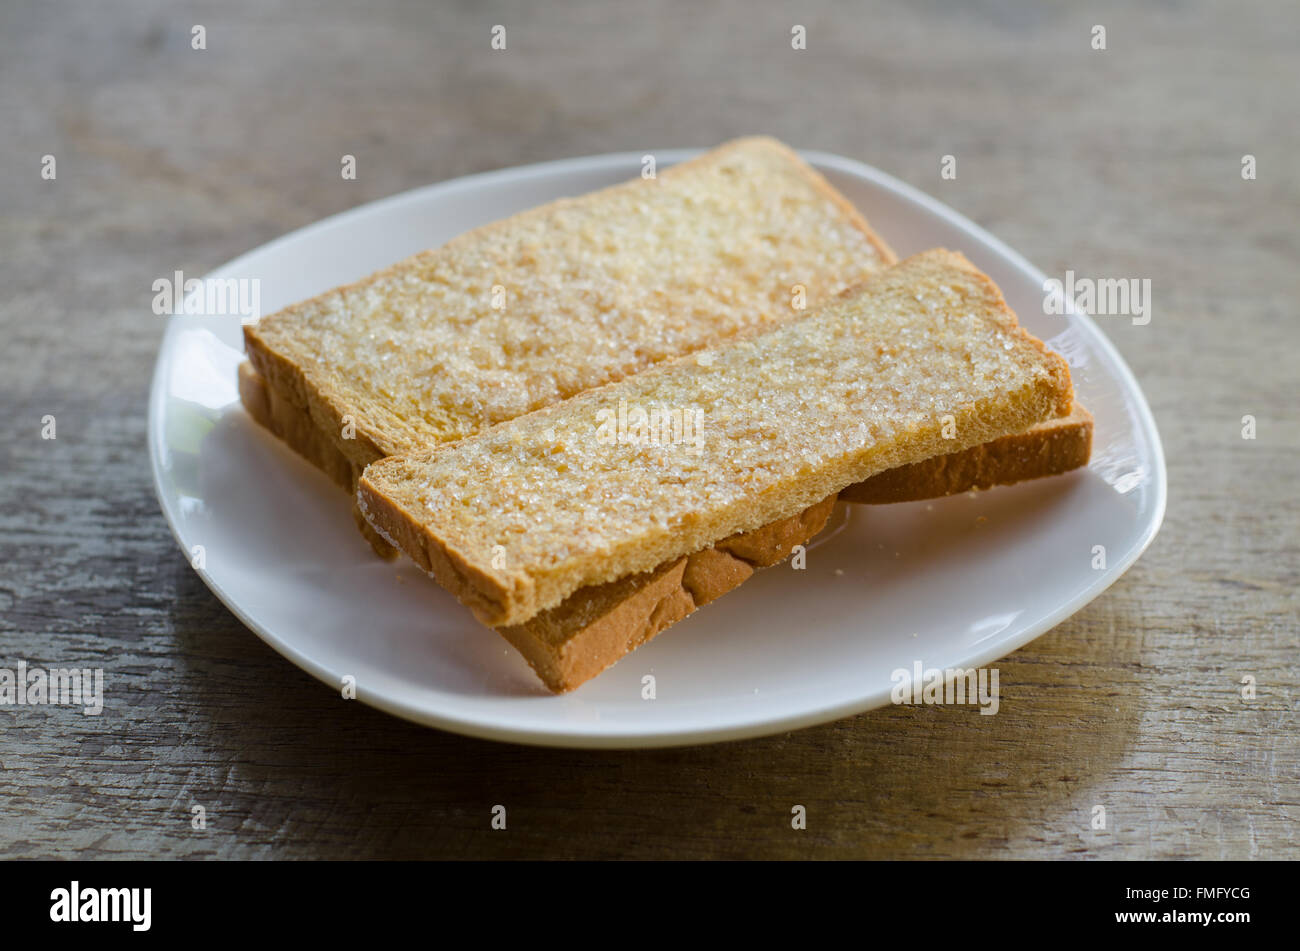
<point>1121,162</point>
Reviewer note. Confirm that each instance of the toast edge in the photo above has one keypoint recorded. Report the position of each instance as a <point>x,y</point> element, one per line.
<point>659,599</point>
<point>1051,448</point>
<point>295,428</point>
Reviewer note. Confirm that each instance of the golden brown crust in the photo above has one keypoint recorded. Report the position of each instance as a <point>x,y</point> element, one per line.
<point>565,657</point>
<point>446,567</point>
<point>595,626</point>
<point>296,429</point>
<point>713,572</point>
<point>285,378</point>
<point>1048,448</point>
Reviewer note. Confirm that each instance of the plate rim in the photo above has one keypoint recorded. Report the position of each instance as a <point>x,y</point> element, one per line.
<point>579,737</point>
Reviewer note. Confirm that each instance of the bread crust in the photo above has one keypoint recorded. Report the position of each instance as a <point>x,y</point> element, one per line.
<point>1044,449</point>
<point>296,429</point>
<point>596,626</point>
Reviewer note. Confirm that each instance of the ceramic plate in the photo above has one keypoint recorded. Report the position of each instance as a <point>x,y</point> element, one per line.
<point>957,582</point>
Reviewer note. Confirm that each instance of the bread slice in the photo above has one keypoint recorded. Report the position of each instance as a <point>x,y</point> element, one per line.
<point>516,519</point>
<point>526,312</point>
<point>1047,448</point>
<point>595,626</point>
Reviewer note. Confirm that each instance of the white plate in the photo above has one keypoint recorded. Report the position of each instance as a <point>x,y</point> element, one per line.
<point>895,584</point>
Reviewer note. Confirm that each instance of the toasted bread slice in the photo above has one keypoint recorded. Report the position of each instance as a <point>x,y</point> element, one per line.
<point>1049,448</point>
<point>526,312</point>
<point>519,517</point>
<point>595,626</point>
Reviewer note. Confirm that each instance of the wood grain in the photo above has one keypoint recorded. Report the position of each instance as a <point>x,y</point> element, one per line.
<point>1123,162</point>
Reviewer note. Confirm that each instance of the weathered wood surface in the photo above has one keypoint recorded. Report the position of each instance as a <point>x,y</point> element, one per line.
<point>1123,162</point>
